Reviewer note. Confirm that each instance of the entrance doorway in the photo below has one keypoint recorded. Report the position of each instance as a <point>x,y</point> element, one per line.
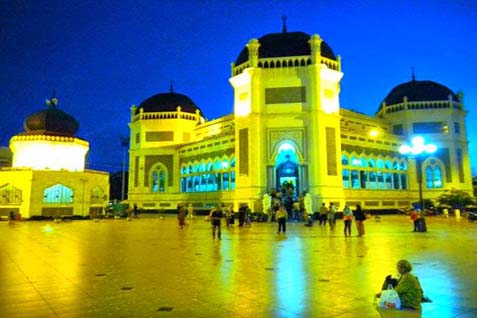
<point>287,171</point>
<point>287,178</point>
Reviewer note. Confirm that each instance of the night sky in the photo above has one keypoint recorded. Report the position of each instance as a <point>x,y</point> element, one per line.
<point>103,56</point>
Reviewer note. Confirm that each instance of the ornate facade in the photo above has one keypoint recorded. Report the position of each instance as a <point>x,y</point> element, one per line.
<point>288,126</point>
<point>47,175</point>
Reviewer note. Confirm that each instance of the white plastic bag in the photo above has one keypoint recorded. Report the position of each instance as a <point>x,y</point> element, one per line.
<point>390,299</point>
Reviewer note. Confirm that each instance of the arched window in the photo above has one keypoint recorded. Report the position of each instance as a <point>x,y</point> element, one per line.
<point>396,165</point>
<point>346,181</point>
<point>158,180</point>
<point>10,194</point>
<point>371,163</point>
<point>433,175</point>
<point>225,164</point>
<point>380,164</point>
<point>58,194</point>
<point>364,162</point>
<point>355,162</point>
<point>344,160</point>
<point>97,195</point>
<point>403,166</point>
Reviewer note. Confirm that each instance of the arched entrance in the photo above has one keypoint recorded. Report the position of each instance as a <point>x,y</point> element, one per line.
<point>287,170</point>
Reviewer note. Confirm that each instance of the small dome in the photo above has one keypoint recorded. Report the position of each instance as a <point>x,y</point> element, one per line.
<point>51,121</point>
<point>419,91</point>
<point>285,44</point>
<point>168,102</point>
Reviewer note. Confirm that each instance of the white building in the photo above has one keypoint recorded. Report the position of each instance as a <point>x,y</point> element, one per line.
<point>288,126</point>
<point>47,176</point>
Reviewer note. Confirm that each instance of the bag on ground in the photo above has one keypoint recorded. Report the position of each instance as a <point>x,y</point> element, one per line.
<point>390,299</point>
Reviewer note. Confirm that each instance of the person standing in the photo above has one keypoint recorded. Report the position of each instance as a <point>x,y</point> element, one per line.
<point>323,214</point>
<point>360,217</point>
<point>282,216</point>
<point>229,215</point>
<point>413,216</point>
<point>307,203</point>
<point>347,217</point>
<point>241,214</point>
<point>135,211</point>
<point>216,217</point>
<point>190,211</point>
<point>181,214</point>
<point>331,215</point>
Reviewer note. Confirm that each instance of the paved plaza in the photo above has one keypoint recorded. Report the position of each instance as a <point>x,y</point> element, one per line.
<point>149,267</point>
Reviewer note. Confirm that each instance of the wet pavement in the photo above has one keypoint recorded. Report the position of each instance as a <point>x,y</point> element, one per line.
<point>149,267</point>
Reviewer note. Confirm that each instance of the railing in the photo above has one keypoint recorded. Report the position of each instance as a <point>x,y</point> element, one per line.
<point>49,138</point>
<point>167,115</point>
<point>284,62</point>
<point>422,105</point>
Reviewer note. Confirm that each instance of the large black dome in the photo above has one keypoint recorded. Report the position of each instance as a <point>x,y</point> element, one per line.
<point>285,44</point>
<point>168,102</point>
<point>419,91</point>
<point>51,121</point>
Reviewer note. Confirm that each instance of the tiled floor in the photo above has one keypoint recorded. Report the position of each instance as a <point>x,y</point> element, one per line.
<point>151,268</point>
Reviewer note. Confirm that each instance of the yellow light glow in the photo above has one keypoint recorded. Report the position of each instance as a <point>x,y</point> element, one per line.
<point>373,133</point>
<point>242,109</point>
<point>286,146</point>
<point>48,154</point>
<point>330,93</point>
<point>47,229</point>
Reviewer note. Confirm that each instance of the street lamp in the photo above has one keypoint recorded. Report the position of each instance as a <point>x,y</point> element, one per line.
<point>418,149</point>
<point>124,144</point>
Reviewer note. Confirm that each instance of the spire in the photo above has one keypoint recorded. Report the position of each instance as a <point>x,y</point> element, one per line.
<point>53,101</point>
<point>413,76</point>
<point>171,87</point>
<point>284,28</point>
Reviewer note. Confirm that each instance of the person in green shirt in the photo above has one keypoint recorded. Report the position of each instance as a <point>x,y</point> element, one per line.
<point>408,286</point>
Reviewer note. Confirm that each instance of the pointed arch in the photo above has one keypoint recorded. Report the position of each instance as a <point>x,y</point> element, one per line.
<point>58,193</point>
<point>10,194</point>
<point>434,173</point>
<point>158,176</point>
<point>97,195</point>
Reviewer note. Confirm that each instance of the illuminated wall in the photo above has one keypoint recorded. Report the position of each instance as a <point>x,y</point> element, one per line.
<point>40,152</point>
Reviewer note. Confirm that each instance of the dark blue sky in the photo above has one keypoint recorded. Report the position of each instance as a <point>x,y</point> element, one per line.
<point>103,56</point>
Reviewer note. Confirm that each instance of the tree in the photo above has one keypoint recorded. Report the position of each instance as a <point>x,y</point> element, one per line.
<point>457,199</point>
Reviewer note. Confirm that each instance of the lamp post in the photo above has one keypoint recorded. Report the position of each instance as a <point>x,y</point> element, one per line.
<point>418,149</point>
<point>124,144</point>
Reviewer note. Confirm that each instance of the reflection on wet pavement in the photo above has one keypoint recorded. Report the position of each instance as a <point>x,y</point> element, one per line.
<point>151,268</point>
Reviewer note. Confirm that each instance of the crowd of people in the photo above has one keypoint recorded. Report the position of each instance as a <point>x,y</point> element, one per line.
<point>280,207</point>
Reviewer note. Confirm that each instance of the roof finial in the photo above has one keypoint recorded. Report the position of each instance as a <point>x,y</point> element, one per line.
<point>171,87</point>
<point>413,76</point>
<point>53,101</point>
<point>284,28</point>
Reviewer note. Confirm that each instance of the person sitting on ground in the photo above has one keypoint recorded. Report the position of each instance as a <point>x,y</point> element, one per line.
<point>408,286</point>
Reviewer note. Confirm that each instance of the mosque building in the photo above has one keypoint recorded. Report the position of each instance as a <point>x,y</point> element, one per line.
<point>47,176</point>
<point>288,128</point>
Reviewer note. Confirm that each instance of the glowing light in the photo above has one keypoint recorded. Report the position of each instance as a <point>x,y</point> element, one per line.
<point>418,147</point>
<point>330,98</point>
<point>48,229</point>
<point>356,162</point>
<point>48,154</point>
<point>373,133</point>
<point>286,146</point>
